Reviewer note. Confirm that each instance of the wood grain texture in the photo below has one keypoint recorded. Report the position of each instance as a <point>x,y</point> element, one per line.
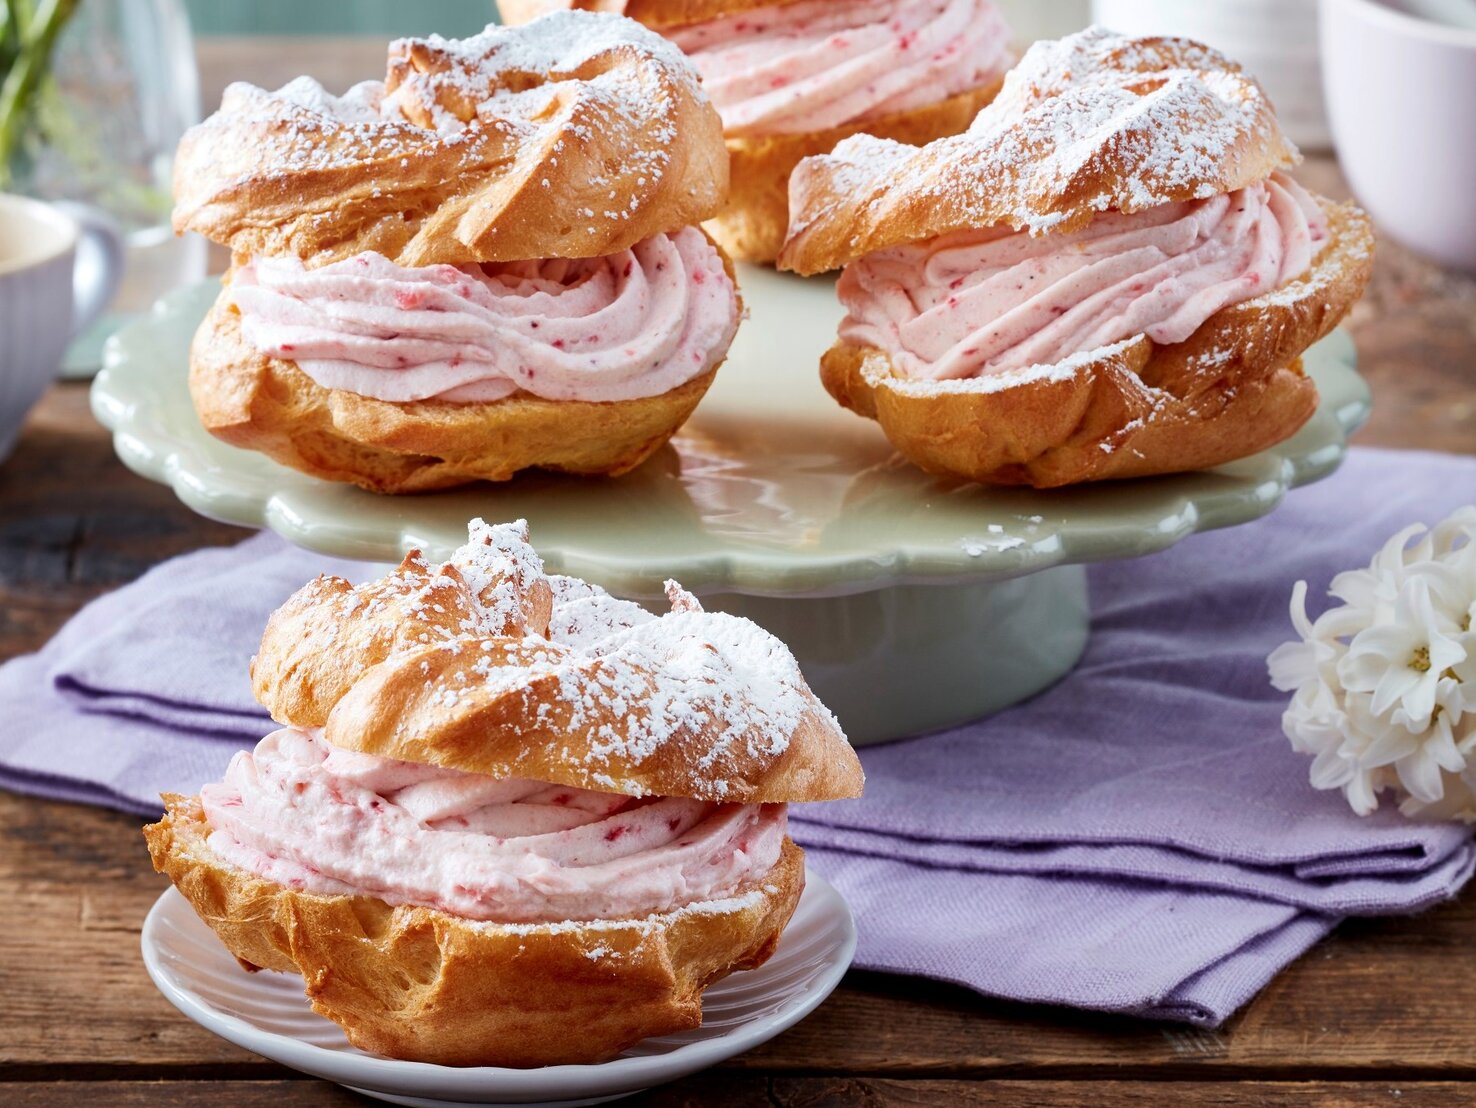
<point>721,1090</point>
<point>1381,997</point>
<point>1416,335</point>
<point>74,522</point>
<point>1384,1012</point>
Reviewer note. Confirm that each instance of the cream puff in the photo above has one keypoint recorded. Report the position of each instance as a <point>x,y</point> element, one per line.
<point>487,262</point>
<point>508,820</point>
<point>1110,274</point>
<point>792,79</point>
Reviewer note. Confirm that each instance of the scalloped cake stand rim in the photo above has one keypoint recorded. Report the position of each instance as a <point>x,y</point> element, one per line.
<point>141,396</point>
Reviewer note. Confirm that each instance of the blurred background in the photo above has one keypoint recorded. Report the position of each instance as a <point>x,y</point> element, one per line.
<point>384,18</point>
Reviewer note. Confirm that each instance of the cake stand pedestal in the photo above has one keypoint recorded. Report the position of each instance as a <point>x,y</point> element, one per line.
<point>904,659</point>
<point>911,602</point>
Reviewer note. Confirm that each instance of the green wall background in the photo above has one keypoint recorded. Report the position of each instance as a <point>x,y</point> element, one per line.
<point>385,18</point>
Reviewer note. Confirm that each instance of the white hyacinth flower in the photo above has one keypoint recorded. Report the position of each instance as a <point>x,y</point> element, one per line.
<point>1384,683</point>
<point>1401,661</point>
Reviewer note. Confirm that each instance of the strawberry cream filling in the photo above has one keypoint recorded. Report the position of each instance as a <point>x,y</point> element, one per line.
<point>975,303</point>
<point>628,325</point>
<point>307,815</point>
<point>818,64</point>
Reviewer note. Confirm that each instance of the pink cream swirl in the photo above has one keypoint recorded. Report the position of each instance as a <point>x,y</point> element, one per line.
<point>977,303</point>
<point>307,815</point>
<point>638,323</point>
<point>819,64</point>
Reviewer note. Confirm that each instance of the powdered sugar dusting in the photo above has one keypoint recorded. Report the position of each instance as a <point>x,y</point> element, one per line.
<point>310,130</point>
<point>1162,114</point>
<point>878,371</point>
<point>583,614</point>
<point>522,74</point>
<point>711,667</point>
<point>360,104</point>
<point>490,71</point>
<point>1092,122</point>
<point>626,684</point>
<point>586,103</point>
<point>499,566</point>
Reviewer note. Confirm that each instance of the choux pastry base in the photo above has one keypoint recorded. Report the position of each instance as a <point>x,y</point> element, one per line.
<point>262,403</point>
<point>419,984</point>
<point>1231,389</point>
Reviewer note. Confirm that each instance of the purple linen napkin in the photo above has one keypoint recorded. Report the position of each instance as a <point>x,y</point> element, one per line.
<point>146,690</point>
<point>1138,839</point>
<point>1141,838</point>
<point>173,647</point>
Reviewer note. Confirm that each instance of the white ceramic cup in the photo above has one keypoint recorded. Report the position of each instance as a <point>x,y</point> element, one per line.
<point>59,267</point>
<point>1401,94</point>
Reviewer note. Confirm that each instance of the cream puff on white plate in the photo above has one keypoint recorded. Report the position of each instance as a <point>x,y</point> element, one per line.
<point>508,820</point>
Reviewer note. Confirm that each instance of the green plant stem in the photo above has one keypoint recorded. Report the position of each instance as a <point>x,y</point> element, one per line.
<point>36,38</point>
<point>12,22</point>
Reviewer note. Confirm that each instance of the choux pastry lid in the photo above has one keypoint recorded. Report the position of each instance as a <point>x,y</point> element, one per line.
<point>577,135</point>
<point>1089,123</point>
<point>488,665</point>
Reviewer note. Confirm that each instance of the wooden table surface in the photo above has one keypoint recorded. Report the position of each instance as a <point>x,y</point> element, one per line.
<point>1383,1012</point>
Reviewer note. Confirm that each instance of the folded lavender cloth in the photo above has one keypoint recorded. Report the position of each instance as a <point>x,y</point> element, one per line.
<point>1141,838</point>
<point>146,689</point>
<point>1138,839</point>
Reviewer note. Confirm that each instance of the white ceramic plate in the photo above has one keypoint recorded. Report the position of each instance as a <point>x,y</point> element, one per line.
<point>771,489</point>
<point>267,1013</point>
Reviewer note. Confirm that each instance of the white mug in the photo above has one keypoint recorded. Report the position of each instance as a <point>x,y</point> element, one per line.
<point>59,267</point>
<point>1401,91</point>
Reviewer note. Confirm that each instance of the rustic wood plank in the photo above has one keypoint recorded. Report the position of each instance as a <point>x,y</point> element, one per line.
<point>835,1093</point>
<point>1416,335</point>
<point>179,1094</point>
<point>1388,997</point>
<point>720,1090</point>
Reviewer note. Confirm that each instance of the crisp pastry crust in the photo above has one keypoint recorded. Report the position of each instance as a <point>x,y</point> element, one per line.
<point>420,984</point>
<point>653,13</point>
<point>752,223</point>
<point>578,137</point>
<point>1095,122</point>
<point>1131,409</point>
<point>372,664</point>
<point>623,118</point>
<point>1092,123</point>
<point>251,400</point>
<point>473,664</point>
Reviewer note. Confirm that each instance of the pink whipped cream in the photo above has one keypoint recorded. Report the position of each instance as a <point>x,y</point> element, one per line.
<point>982,302</point>
<point>638,323</point>
<point>821,63</point>
<point>307,815</point>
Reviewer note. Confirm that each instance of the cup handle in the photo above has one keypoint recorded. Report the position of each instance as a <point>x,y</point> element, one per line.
<point>99,266</point>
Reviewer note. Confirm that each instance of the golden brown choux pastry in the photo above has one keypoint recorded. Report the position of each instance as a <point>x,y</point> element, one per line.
<point>1108,275</point>
<point>792,78</point>
<point>486,262</point>
<point>508,820</point>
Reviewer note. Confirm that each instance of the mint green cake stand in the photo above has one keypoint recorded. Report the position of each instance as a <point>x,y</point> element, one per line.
<point>911,602</point>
